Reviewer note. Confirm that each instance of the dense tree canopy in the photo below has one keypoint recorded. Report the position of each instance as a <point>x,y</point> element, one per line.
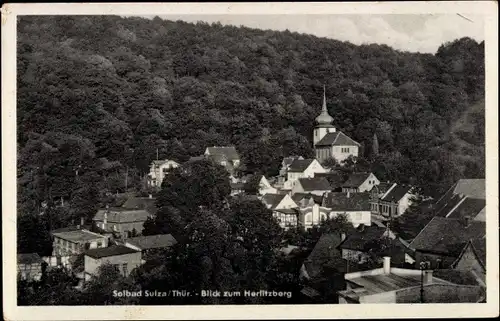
<point>100,96</point>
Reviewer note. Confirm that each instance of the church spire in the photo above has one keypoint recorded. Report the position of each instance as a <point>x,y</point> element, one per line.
<point>324,118</point>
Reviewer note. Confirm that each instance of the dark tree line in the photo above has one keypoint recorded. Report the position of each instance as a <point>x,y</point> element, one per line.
<point>98,96</point>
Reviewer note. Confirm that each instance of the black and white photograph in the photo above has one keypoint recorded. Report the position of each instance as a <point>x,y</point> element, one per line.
<point>265,159</point>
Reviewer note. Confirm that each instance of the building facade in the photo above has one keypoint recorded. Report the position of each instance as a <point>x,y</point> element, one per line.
<point>123,258</point>
<point>76,242</point>
<point>158,170</point>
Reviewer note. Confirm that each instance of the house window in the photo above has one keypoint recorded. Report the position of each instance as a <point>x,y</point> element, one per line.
<point>99,244</point>
<point>165,170</point>
<point>439,264</point>
<point>114,228</point>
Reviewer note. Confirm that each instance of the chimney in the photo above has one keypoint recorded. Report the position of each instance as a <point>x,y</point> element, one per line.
<point>348,194</point>
<point>387,265</point>
<point>105,218</point>
<point>467,221</point>
<point>150,195</point>
<point>427,277</point>
<point>82,221</point>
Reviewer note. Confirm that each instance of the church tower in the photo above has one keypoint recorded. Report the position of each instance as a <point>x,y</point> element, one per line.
<point>323,122</point>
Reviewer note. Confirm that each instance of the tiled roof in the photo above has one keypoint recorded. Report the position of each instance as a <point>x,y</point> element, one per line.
<point>161,162</point>
<point>396,193</point>
<point>474,188</point>
<point>325,252</point>
<point>468,207</point>
<point>479,246</point>
<point>237,186</point>
<point>109,251</point>
<point>358,239</point>
<point>123,215</point>
<point>447,235</point>
<point>152,241</point>
<point>228,151</point>
<point>337,139</point>
<point>288,160</point>
<point>340,202</point>
<point>78,235</point>
<point>356,179</point>
<point>196,158</point>
<point>297,197</point>
<point>273,200</point>
<point>28,258</point>
<point>300,165</point>
<point>315,184</point>
<point>456,276</point>
<point>335,179</point>
<point>146,203</point>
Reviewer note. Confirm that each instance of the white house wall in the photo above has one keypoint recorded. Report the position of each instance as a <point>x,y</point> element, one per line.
<point>355,217</point>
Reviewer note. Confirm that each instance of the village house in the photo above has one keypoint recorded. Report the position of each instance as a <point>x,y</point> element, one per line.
<point>29,266</point>
<point>258,184</point>
<point>278,201</point>
<point>75,242</point>
<point>330,143</point>
<point>122,222</point>
<point>443,239</point>
<point>310,217</point>
<point>302,168</point>
<point>467,197</point>
<point>304,200</point>
<point>285,164</point>
<point>472,260</point>
<point>287,217</point>
<point>158,170</point>
<point>226,156</point>
<point>334,178</point>
<point>360,182</point>
<point>125,259</point>
<point>393,203</point>
<point>357,247</point>
<point>141,203</point>
<point>150,243</point>
<point>356,206</point>
<point>237,188</point>
<point>311,185</point>
<point>397,285</point>
<point>323,270</point>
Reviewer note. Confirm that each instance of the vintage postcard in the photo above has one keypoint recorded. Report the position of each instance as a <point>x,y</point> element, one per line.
<point>250,160</point>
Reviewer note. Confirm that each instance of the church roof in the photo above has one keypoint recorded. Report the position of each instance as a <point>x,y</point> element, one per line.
<point>337,139</point>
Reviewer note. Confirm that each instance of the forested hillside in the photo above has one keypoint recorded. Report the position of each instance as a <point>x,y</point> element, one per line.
<point>97,95</point>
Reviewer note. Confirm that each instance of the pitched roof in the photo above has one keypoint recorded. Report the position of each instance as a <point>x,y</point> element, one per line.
<point>337,138</point>
<point>123,215</point>
<point>288,160</point>
<point>325,252</point>
<point>196,158</point>
<point>78,235</point>
<point>473,188</point>
<point>315,184</point>
<point>358,239</point>
<point>228,151</point>
<point>300,165</point>
<point>28,258</point>
<point>479,246</point>
<point>447,235</point>
<point>396,193</point>
<point>356,179</point>
<point>237,186</point>
<point>152,241</point>
<point>335,179</point>
<point>163,161</point>
<point>456,276</point>
<point>113,250</point>
<point>468,207</point>
<point>340,202</point>
<point>273,200</point>
<point>146,203</point>
<point>297,197</point>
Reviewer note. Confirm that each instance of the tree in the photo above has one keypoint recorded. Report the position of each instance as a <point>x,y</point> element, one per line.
<point>375,146</point>
<point>338,224</point>
<point>330,162</point>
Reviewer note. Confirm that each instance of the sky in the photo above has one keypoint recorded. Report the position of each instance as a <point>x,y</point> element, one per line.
<point>415,33</point>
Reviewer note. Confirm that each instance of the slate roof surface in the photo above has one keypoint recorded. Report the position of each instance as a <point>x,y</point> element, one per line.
<point>337,138</point>
<point>228,151</point>
<point>300,165</point>
<point>123,215</point>
<point>146,203</point>
<point>447,235</point>
<point>356,179</point>
<point>335,179</point>
<point>113,250</point>
<point>396,193</point>
<point>339,201</point>
<point>28,258</point>
<point>273,199</point>
<point>315,184</point>
<point>78,236</point>
<point>469,207</point>
<point>152,241</point>
<point>325,252</point>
